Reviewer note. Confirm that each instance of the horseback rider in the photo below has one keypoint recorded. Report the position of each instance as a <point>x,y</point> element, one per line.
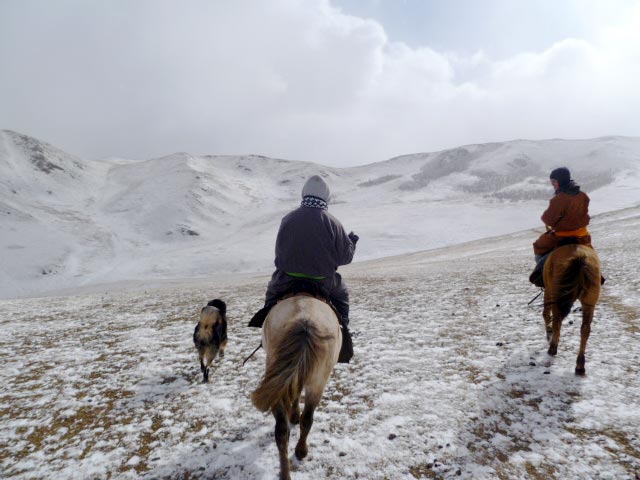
<point>566,220</point>
<point>310,246</point>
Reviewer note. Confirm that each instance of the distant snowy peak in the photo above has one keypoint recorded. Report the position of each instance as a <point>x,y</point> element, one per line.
<point>515,170</point>
<point>41,156</point>
<point>31,169</point>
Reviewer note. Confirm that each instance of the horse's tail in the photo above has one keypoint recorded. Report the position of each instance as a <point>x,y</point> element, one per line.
<point>296,358</point>
<point>579,276</point>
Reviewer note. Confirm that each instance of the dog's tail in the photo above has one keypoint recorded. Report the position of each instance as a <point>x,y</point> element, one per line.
<point>220,305</point>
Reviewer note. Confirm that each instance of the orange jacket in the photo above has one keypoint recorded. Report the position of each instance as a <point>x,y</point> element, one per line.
<point>567,212</point>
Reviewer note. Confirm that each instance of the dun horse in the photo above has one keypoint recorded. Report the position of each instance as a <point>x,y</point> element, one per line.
<point>571,273</point>
<point>302,338</point>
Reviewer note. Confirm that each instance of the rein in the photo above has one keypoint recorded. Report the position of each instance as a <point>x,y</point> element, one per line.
<point>534,298</point>
<point>252,354</point>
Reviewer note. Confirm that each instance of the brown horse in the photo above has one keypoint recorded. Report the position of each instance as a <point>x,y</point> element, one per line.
<point>571,273</point>
<point>302,338</point>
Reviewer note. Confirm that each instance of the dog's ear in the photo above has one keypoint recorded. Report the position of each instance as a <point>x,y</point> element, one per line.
<point>220,305</point>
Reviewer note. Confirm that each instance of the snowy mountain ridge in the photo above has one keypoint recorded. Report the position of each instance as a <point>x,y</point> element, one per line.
<point>69,221</point>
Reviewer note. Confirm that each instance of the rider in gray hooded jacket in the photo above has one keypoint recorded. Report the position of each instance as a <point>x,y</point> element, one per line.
<point>311,245</point>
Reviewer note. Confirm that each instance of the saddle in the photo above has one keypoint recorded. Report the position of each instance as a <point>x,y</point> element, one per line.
<point>562,241</point>
<point>536,276</point>
<point>299,287</point>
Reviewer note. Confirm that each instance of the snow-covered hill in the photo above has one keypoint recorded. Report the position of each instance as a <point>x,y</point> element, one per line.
<point>68,222</point>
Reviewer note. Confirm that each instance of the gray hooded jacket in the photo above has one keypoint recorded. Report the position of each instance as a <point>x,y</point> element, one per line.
<point>312,242</point>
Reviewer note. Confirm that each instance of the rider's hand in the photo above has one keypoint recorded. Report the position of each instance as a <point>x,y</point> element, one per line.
<point>353,237</point>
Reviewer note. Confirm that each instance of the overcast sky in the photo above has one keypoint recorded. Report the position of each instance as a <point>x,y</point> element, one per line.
<point>341,82</point>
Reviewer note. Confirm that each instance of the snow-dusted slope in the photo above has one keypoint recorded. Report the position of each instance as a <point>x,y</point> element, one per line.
<point>68,222</point>
<point>450,377</point>
<point>47,199</point>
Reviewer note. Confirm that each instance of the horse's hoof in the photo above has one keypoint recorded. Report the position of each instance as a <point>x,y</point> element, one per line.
<point>286,475</point>
<point>301,452</point>
<point>553,349</point>
<point>580,370</point>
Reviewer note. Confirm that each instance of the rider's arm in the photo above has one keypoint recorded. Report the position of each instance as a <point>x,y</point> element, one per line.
<point>344,248</point>
<point>554,213</point>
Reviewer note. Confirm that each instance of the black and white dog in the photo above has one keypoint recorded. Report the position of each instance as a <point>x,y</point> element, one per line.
<point>210,335</point>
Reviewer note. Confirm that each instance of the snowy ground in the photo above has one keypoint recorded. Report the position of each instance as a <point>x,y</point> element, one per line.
<point>451,378</point>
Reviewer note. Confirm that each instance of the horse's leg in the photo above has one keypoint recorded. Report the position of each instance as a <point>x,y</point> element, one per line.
<point>311,401</point>
<point>282,440</point>
<point>305,426</point>
<point>295,412</point>
<point>585,331</point>
<point>223,347</point>
<point>546,315</point>
<point>555,336</point>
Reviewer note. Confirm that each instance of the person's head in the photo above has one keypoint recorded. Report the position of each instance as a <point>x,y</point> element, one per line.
<point>560,177</point>
<point>316,187</point>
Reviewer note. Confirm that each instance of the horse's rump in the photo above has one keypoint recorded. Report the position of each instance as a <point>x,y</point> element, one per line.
<point>298,343</point>
<point>570,272</point>
<point>297,356</point>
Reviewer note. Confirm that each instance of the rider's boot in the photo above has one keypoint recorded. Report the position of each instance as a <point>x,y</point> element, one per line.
<point>346,349</point>
<point>258,319</point>
<point>536,276</point>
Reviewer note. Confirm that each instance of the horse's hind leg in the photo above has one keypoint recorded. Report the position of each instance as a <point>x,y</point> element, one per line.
<point>282,440</point>
<point>546,315</point>
<point>555,335</point>
<point>294,418</point>
<point>585,331</point>
<point>306,420</point>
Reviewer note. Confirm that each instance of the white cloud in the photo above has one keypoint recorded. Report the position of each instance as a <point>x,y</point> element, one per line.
<point>293,79</point>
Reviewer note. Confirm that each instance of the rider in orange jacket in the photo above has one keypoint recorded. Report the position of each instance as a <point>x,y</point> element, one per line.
<point>566,220</point>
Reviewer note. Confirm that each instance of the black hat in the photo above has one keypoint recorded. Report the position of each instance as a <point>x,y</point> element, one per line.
<point>562,175</point>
